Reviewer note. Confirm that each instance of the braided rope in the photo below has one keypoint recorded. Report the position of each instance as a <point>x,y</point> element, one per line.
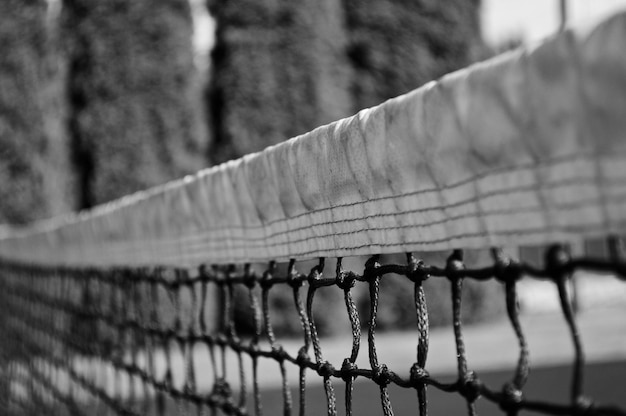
<point>54,319</point>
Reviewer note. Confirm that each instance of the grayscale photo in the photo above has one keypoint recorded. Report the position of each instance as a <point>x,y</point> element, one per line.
<point>312,207</point>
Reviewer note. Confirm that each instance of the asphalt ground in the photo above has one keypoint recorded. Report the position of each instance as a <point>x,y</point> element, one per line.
<point>492,352</point>
<point>605,383</point>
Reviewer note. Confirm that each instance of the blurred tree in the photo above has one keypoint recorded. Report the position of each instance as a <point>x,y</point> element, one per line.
<point>282,68</point>
<point>34,164</point>
<point>394,47</point>
<point>136,118</point>
<point>279,70</point>
<point>397,45</point>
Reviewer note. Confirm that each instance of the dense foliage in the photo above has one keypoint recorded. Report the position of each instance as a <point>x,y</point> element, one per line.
<point>282,68</point>
<point>103,99</point>
<point>279,70</point>
<point>134,122</point>
<point>35,176</point>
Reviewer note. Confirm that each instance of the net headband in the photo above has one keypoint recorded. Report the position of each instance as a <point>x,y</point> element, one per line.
<point>525,148</point>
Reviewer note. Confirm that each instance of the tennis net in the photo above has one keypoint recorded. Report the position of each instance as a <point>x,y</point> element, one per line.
<point>524,149</point>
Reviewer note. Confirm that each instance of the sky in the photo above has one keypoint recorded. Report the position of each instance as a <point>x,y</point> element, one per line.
<point>533,20</point>
<point>502,20</point>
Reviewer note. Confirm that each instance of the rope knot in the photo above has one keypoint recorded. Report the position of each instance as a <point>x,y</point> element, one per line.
<point>253,348</point>
<point>416,269</point>
<point>202,272</point>
<point>221,388</point>
<point>325,369</point>
<point>511,398</point>
<point>381,376</point>
<point>219,275</point>
<point>315,275</point>
<point>583,406</point>
<point>167,379</point>
<point>347,370</point>
<point>454,264</point>
<point>557,260</point>
<point>417,272</point>
<point>266,280</point>
<point>249,277</point>
<point>418,375</point>
<point>294,279</point>
<point>303,357</point>
<point>279,353</point>
<point>470,387</point>
<point>506,269</point>
<point>181,277</point>
<point>345,280</point>
<point>189,388</point>
<point>371,265</point>
<point>221,340</point>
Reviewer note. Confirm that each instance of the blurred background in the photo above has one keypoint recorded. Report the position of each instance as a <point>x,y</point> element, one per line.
<point>99,99</point>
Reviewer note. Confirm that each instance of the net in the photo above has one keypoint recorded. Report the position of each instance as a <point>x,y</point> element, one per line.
<point>524,149</point>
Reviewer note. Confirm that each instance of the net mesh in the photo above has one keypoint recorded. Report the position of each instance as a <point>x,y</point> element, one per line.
<point>89,341</point>
<point>499,154</point>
